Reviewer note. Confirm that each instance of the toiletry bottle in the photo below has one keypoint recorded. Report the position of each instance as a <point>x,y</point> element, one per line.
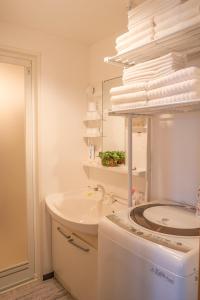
<point>133,196</point>
<point>92,152</point>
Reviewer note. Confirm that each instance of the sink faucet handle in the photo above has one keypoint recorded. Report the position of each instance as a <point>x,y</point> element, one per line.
<point>93,187</point>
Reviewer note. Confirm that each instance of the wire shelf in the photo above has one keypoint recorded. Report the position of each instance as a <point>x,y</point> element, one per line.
<point>162,108</point>
<point>186,41</point>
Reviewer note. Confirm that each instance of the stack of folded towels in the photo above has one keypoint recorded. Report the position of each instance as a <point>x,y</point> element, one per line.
<point>178,18</point>
<point>154,19</point>
<point>154,68</point>
<point>162,80</point>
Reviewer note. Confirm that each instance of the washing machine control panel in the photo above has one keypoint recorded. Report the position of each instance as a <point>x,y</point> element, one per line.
<point>155,238</point>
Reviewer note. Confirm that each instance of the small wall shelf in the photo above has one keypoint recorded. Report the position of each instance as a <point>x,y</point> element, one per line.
<point>119,169</point>
<point>92,120</point>
<point>92,136</point>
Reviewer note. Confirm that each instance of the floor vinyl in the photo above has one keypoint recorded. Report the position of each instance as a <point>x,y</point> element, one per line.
<point>38,290</point>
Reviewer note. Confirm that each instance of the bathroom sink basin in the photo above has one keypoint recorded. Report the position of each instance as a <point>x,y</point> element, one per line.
<point>81,211</point>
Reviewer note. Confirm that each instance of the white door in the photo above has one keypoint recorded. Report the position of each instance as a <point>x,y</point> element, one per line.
<point>16,172</point>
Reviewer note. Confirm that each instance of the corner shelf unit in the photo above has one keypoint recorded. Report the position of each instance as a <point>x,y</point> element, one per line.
<point>185,41</point>
<point>118,169</point>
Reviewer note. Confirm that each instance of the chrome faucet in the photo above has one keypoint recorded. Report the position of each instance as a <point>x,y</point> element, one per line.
<point>100,188</point>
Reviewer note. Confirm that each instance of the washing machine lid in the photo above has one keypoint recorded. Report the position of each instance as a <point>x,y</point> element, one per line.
<point>167,218</point>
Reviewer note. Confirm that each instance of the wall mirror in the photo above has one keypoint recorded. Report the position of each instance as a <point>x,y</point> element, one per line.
<point>113,129</point>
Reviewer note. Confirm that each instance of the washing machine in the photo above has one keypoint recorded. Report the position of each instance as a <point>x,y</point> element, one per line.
<point>149,252</point>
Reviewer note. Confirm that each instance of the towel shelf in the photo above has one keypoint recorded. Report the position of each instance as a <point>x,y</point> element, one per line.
<point>185,41</point>
<point>150,110</point>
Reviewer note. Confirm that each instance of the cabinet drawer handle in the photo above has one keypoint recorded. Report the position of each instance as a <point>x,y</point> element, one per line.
<point>71,241</point>
<point>64,234</point>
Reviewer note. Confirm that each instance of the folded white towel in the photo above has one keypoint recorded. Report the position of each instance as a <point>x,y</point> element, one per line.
<point>130,97</point>
<point>174,89</point>
<point>149,76</point>
<point>157,68</point>
<point>135,28</point>
<point>170,57</point>
<point>176,99</point>
<point>146,76</point>
<point>175,11</point>
<point>130,81</point>
<point>151,9</point>
<point>186,97</point>
<point>176,19</point>
<point>132,46</point>
<point>128,88</point>
<point>178,27</point>
<point>150,6</point>
<point>123,106</point>
<point>135,38</point>
<point>178,76</point>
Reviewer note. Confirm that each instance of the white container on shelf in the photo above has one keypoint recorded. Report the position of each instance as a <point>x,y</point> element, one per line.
<point>92,132</point>
<point>92,106</point>
<point>92,116</point>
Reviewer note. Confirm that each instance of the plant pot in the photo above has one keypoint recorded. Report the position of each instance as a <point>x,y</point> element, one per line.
<point>109,162</point>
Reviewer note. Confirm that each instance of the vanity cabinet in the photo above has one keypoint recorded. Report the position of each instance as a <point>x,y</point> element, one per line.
<point>75,261</point>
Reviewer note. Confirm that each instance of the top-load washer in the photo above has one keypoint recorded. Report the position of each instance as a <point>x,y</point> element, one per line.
<point>150,252</point>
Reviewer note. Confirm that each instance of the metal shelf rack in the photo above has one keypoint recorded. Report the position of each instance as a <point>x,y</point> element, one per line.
<point>186,41</point>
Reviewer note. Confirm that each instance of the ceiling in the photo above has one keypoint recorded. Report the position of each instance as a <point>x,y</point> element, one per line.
<point>87,21</point>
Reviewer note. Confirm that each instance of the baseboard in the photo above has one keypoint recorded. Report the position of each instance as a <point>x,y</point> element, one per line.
<point>48,276</point>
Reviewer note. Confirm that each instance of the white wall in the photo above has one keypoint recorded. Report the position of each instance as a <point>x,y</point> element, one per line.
<point>98,70</point>
<point>176,158</point>
<point>62,106</point>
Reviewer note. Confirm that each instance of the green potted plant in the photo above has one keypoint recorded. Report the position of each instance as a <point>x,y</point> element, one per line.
<point>112,158</point>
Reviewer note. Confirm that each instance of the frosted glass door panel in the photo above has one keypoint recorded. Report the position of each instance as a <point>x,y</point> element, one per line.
<point>13,208</point>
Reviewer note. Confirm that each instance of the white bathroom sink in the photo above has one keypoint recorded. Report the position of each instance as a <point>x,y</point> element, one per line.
<point>80,211</point>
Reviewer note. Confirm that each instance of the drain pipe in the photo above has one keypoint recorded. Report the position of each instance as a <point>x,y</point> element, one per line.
<point>130,177</point>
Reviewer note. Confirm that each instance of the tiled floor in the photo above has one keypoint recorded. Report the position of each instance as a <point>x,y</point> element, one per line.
<point>38,290</point>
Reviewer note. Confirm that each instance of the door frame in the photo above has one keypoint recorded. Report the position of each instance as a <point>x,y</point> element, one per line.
<point>32,268</point>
